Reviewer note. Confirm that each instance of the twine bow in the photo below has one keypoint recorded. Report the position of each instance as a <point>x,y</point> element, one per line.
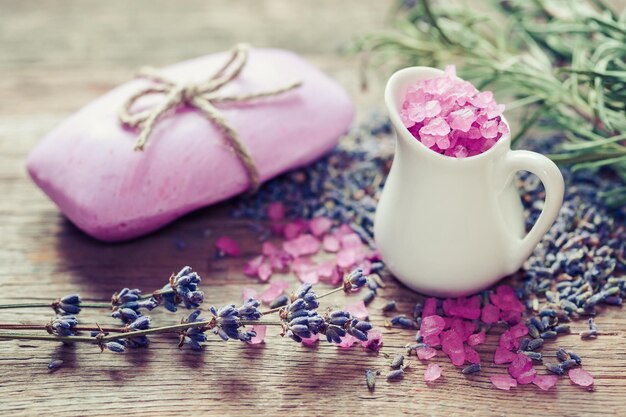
<point>202,96</point>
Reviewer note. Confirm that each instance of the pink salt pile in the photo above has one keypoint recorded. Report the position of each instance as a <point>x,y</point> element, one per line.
<point>300,240</point>
<point>451,117</point>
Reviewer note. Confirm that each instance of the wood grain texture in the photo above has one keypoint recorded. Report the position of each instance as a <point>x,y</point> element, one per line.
<point>56,56</point>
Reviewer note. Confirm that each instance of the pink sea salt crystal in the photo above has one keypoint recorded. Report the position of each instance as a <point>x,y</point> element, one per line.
<point>503,355</point>
<point>494,110</point>
<point>228,246</point>
<point>251,268</point>
<point>425,353</point>
<point>580,377</point>
<point>351,241</point>
<point>431,109</point>
<point>462,327</point>
<point>482,100</point>
<point>462,119</point>
<point>346,258</point>
<point>347,341</point>
<point>503,128</point>
<point>331,244</point>
<point>476,339</point>
<point>275,289</point>
<point>430,140</point>
<point>432,325</point>
<point>276,211</point>
<point>443,142</point>
<point>293,229</point>
<point>489,129</point>
<point>452,345</point>
<point>471,355</point>
<point>505,299</point>
<point>406,119</point>
<point>308,277</point>
<point>432,340</point>
<point>432,372</point>
<point>415,113</point>
<point>358,310</point>
<point>374,341</point>
<point>508,341</point>
<point>435,127</point>
<point>248,293</point>
<point>519,365</point>
<point>545,382</point>
<point>261,331</point>
<point>460,151</point>
<point>511,317</point>
<point>327,272</point>
<point>490,314</point>
<point>527,377</point>
<point>269,249</point>
<point>467,308</point>
<point>430,307</point>
<point>311,341</point>
<point>519,330</point>
<point>302,245</point>
<point>503,382</point>
<point>264,272</point>
<point>320,225</point>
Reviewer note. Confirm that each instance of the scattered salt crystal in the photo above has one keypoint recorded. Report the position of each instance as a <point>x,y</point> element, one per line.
<point>346,258</point>
<point>302,245</point>
<point>261,331</point>
<point>293,229</point>
<point>327,272</point>
<point>431,109</point>
<point>264,272</point>
<point>268,249</point>
<point>331,244</point>
<point>545,382</point>
<point>452,345</point>
<point>490,314</point>
<point>503,382</point>
<point>482,100</point>
<point>308,277</point>
<point>527,377</point>
<point>471,355</point>
<point>432,372</point>
<point>248,293</point>
<point>228,246</point>
<point>432,325</point>
<point>276,211</point>
<point>519,330</point>
<point>374,341</point>
<point>519,365</point>
<point>430,307</point>
<point>506,300</point>
<point>503,355</point>
<point>358,310</point>
<point>508,341</point>
<point>347,341</point>
<point>580,377</point>
<point>320,225</point>
<point>311,340</point>
<point>424,353</point>
<point>432,340</point>
<point>511,317</point>
<point>476,339</point>
<point>251,268</point>
<point>437,127</point>
<point>275,289</point>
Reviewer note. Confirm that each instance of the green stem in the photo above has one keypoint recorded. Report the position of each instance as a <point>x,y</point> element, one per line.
<point>12,326</point>
<point>326,294</point>
<point>49,305</point>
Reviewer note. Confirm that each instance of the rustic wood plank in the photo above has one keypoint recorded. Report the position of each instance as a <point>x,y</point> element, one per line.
<point>58,55</point>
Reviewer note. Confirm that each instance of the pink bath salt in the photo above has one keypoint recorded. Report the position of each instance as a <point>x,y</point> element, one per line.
<point>508,341</point>
<point>432,372</point>
<point>432,340</point>
<point>269,249</point>
<point>527,377</point>
<point>443,142</point>
<point>351,241</point>
<point>471,355</point>
<point>425,353</point>
<point>432,108</point>
<point>251,268</point>
<point>302,265</point>
<point>477,339</point>
<point>435,127</point>
<point>432,325</point>
<point>430,141</point>
<point>347,341</point>
<point>366,266</point>
<point>506,300</point>
<point>466,308</point>
<point>462,327</point>
<point>227,246</point>
<point>452,345</point>
<point>482,100</point>
<point>374,341</point>
<point>261,331</point>
<point>494,110</point>
<point>511,317</point>
<point>430,307</point>
<point>308,277</point>
<point>490,314</point>
<point>519,365</point>
<point>327,272</point>
<point>302,245</point>
<point>545,382</point>
<point>489,129</point>
<point>503,382</point>
<point>248,293</point>
<point>265,272</point>
<point>276,211</point>
<point>519,330</point>
<point>331,244</point>
<point>415,113</point>
<point>320,225</point>
<point>406,119</point>
<point>580,377</point>
<point>503,128</point>
<point>311,341</point>
<point>358,310</point>
<point>503,355</point>
<point>346,258</point>
<point>277,229</point>
<point>275,289</point>
<point>462,119</point>
<point>280,261</point>
<point>294,229</point>
<point>459,151</point>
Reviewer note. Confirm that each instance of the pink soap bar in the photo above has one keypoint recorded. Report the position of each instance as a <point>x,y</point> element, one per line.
<point>87,165</point>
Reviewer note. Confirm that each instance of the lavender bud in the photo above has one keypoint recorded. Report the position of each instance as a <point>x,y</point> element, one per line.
<point>115,347</point>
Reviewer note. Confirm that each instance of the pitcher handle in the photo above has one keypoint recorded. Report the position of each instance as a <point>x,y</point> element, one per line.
<point>552,180</point>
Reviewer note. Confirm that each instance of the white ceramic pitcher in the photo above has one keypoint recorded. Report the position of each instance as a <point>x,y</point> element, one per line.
<point>449,227</point>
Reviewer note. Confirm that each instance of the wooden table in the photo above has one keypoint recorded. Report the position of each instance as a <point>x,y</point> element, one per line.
<point>57,56</point>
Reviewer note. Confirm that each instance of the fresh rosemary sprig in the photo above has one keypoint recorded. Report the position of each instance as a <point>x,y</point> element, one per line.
<point>563,63</point>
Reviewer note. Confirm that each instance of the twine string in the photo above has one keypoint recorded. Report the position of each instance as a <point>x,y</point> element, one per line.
<point>201,96</point>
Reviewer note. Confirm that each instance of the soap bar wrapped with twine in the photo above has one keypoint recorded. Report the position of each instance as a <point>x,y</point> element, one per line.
<point>205,130</point>
<point>201,96</point>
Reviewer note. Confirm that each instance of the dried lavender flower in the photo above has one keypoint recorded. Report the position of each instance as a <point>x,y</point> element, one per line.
<point>370,379</point>
<point>397,362</point>
<point>395,375</point>
<point>354,280</point>
<point>115,347</point>
<point>54,365</point>
<point>62,325</point>
<point>471,369</point>
<point>390,306</point>
<point>68,305</point>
